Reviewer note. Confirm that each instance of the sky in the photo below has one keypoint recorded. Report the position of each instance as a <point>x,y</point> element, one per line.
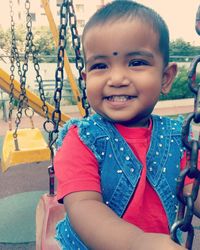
<point>179,15</point>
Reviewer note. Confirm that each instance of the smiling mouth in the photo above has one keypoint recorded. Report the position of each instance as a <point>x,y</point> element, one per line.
<point>119,98</point>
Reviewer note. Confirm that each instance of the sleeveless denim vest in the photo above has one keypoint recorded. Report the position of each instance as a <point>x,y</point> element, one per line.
<point>120,170</point>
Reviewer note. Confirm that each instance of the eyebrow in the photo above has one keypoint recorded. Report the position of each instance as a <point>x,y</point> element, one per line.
<point>140,53</point>
<point>132,53</point>
<point>96,57</point>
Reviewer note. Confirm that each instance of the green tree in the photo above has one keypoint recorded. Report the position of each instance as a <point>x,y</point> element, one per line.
<point>180,89</point>
<point>180,48</point>
<point>45,45</point>
<point>4,40</point>
<point>20,33</point>
<point>43,41</point>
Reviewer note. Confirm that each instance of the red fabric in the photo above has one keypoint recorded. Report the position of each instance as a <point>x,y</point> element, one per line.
<point>145,205</point>
<point>77,170</point>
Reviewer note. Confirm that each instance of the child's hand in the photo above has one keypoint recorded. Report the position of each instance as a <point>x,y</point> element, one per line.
<point>152,241</point>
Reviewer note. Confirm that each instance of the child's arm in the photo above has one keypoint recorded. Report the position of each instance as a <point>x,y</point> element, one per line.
<point>100,228</point>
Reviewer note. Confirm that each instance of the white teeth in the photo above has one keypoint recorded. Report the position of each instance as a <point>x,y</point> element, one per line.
<point>121,98</point>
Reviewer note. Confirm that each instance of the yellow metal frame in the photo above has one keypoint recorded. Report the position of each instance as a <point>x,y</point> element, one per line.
<point>33,100</point>
<point>67,67</point>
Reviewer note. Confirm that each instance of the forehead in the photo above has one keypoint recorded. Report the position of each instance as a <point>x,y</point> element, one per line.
<point>120,36</point>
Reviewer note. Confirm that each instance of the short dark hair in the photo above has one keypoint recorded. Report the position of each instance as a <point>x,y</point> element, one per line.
<point>119,9</point>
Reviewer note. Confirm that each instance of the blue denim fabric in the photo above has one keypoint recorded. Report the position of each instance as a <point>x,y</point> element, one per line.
<point>67,237</point>
<point>120,169</point>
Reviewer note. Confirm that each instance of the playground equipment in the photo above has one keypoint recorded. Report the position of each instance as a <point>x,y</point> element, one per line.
<point>27,153</point>
<point>25,145</point>
<point>48,211</point>
<point>38,150</point>
<point>186,202</point>
<point>34,101</point>
<point>67,67</point>
<point>35,151</point>
<point>197,24</point>
<point>3,105</point>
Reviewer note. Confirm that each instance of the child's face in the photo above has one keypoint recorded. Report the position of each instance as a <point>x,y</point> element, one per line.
<point>124,71</point>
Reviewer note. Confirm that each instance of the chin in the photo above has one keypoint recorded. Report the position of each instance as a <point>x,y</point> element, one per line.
<point>134,122</point>
<point>119,120</point>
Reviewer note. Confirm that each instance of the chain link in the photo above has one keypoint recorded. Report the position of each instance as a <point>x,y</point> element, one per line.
<point>23,100</point>
<point>186,202</point>
<point>197,24</point>
<point>59,75</point>
<point>79,59</point>
<point>66,13</point>
<point>39,81</point>
<point>29,49</point>
<point>11,94</point>
<point>13,56</point>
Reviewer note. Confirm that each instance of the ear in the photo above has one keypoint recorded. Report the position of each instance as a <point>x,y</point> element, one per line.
<point>84,75</point>
<point>168,77</point>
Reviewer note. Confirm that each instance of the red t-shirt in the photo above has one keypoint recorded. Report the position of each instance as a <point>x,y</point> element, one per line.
<point>76,169</point>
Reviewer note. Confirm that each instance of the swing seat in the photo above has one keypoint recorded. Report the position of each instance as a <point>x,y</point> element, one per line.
<point>48,213</point>
<point>32,148</point>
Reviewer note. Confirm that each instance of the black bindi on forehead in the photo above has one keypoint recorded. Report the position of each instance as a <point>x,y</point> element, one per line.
<point>115,53</point>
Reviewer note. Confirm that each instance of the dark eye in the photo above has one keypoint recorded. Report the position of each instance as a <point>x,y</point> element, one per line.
<point>136,63</point>
<point>98,66</point>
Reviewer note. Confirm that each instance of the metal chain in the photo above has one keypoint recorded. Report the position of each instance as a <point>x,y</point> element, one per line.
<point>11,94</point>
<point>29,49</point>
<point>186,202</point>
<point>14,42</point>
<point>14,53</point>
<point>79,59</point>
<point>66,12</point>
<point>197,24</point>
<point>23,100</point>
<point>39,81</point>
<point>59,75</point>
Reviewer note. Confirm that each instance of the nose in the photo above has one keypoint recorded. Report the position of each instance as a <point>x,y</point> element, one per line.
<point>118,78</point>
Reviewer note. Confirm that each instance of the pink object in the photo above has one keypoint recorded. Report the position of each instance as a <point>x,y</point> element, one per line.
<point>48,213</point>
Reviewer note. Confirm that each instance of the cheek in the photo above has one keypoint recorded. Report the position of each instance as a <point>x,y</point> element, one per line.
<point>150,90</point>
<point>92,93</point>
<point>150,83</point>
<point>93,86</point>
